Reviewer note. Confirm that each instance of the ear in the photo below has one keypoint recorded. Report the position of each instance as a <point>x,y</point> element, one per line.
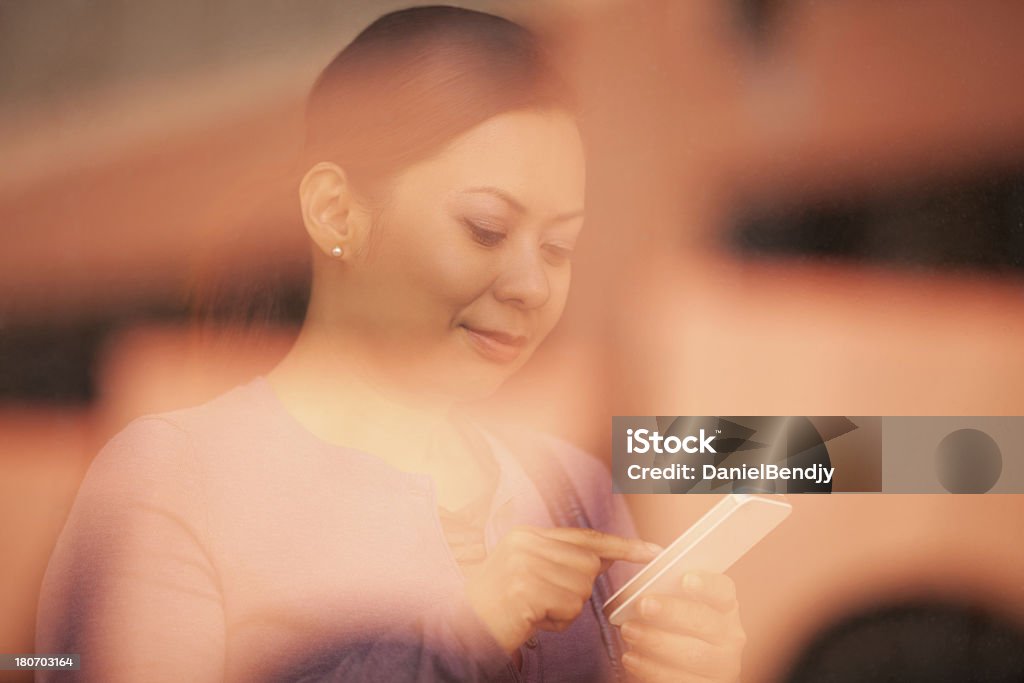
<point>327,208</point>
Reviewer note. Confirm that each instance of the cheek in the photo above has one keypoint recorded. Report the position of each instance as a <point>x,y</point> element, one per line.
<point>432,267</point>
<point>452,272</point>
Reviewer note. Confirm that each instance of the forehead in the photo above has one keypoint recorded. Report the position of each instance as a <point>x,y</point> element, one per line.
<point>535,156</point>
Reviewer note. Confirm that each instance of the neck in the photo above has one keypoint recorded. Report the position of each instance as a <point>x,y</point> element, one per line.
<point>323,383</point>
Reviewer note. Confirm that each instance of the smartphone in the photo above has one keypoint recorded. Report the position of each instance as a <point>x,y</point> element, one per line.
<point>719,538</point>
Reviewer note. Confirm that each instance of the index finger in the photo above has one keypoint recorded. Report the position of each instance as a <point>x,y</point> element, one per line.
<point>606,546</point>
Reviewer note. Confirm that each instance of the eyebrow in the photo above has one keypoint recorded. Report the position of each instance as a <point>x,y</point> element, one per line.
<point>517,205</point>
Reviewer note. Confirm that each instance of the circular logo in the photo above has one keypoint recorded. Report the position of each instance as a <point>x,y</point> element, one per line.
<point>968,461</point>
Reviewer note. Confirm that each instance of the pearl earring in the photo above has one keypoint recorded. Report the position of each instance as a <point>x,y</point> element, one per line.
<point>337,251</point>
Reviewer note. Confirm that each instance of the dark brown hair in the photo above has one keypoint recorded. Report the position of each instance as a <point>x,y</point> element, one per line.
<point>407,85</point>
<point>417,78</point>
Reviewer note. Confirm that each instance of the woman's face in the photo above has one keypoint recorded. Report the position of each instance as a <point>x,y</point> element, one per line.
<point>467,268</point>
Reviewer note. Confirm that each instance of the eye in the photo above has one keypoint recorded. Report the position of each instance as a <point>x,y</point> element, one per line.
<point>485,235</point>
<point>558,254</point>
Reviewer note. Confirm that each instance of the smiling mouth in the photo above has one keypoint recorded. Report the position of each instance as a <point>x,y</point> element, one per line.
<point>494,345</point>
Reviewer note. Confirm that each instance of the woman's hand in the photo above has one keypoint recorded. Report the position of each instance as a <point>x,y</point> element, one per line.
<point>540,578</point>
<point>692,635</point>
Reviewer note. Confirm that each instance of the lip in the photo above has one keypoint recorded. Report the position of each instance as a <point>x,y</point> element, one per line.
<point>495,345</point>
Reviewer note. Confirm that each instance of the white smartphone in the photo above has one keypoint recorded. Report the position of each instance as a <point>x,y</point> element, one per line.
<point>719,538</point>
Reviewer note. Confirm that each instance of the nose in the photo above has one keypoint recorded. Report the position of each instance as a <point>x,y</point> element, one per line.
<point>523,280</point>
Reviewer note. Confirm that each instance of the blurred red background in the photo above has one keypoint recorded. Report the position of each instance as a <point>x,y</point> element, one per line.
<point>126,181</point>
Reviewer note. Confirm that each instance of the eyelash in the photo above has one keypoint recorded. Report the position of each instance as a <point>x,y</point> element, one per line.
<point>488,238</point>
<point>560,253</point>
<point>492,238</point>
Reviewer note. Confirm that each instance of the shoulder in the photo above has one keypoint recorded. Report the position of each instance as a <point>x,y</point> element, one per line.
<point>158,451</point>
<point>148,483</point>
<point>175,435</point>
<point>148,446</point>
<point>236,409</point>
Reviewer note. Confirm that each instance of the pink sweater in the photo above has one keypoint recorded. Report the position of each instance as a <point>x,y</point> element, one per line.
<point>227,542</point>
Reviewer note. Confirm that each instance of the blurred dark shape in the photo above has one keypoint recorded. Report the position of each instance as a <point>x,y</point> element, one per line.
<point>931,642</point>
<point>757,17</point>
<point>50,363</point>
<point>971,221</point>
<point>53,361</point>
<point>805,447</point>
<point>968,461</point>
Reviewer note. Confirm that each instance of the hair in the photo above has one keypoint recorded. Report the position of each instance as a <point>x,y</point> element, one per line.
<point>404,88</point>
<point>417,78</point>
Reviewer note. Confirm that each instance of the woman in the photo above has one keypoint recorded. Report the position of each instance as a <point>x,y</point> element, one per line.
<point>336,519</point>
